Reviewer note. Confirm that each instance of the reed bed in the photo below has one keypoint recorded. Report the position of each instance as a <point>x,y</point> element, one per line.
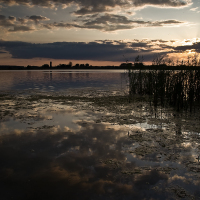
<point>177,88</point>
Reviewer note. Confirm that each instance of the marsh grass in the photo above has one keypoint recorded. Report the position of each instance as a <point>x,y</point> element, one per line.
<point>177,88</point>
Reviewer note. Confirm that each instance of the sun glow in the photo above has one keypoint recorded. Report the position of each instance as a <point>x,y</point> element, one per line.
<point>188,42</point>
<point>190,51</point>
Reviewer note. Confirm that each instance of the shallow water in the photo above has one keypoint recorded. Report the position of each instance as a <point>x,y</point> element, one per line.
<point>91,143</point>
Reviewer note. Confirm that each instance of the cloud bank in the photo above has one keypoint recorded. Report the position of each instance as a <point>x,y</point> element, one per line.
<point>106,22</point>
<point>195,47</point>
<point>89,7</point>
<point>102,50</point>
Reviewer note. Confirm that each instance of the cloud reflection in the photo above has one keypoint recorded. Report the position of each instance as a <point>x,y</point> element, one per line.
<point>96,160</point>
<point>69,164</point>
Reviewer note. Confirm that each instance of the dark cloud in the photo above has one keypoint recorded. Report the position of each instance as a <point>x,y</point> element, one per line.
<point>6,22</point>
<point>33,18</point>
<point>111,22</point>
<point>106,22</point>
<point>102,6</point>
<point>67,50</point>
<point>60,25</point>
<point>171,22</point>
<point>2,17</point>
<point>91,10</point>
<point>21,28</point>
<point>98,50</point>
<point>166,22</point>
<point>165,3</point>
<point>108,28</point>
<point>11,24</point>
<point>90,6</point>
<point>109,18</point>
<point>194,46</point>
<point>22,20</point>
<point>161,41</point>
<point>37,18</point>
<point>12,18</point>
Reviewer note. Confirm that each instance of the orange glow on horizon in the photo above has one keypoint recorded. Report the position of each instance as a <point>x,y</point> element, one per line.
<point>42,61</point>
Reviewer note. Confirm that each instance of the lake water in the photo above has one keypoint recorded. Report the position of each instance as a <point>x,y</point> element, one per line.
<point>75,135</point>
<point>62,81</point>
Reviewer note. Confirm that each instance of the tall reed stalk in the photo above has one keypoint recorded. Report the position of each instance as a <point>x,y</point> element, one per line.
<point>177,88</point>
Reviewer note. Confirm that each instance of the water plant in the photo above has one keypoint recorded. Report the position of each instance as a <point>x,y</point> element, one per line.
<point>177,88</point>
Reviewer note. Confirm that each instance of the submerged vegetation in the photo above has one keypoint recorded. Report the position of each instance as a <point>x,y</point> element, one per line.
<point>177,88</point>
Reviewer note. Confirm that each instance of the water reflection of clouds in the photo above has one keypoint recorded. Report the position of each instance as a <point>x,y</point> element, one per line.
<point>51,116</point>
<point>87,162</point>
<point>68,153</point>
<point>3,127</point>
<point>178,178</point>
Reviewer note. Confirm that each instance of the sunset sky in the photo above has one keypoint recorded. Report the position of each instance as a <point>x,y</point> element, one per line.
<point>98,32</point>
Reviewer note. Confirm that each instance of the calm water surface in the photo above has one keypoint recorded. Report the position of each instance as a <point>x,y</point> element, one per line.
<point>56,80</point>
<point>73,135</point>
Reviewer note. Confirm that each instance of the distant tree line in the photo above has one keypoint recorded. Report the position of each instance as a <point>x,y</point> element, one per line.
<point>159,62</point>
<point>163,62</point>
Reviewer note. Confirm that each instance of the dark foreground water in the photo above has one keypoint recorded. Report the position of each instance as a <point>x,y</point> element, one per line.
<point>74,135</point>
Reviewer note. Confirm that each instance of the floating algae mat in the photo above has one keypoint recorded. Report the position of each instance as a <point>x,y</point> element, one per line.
<point>97,146</point>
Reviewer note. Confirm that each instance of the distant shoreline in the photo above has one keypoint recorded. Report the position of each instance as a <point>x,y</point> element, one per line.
<point>58,68</point>
<point>124,67</point>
